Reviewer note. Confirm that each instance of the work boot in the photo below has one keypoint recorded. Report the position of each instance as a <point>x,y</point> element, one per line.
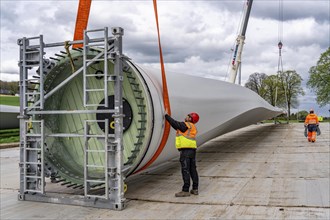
<point>182,194</point>
<point>194,191</point>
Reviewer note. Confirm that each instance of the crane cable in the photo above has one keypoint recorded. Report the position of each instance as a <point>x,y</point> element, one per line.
<point>280,36</point>
<point>280,59</point>
<point>280,44</point>
<point>166,100</point>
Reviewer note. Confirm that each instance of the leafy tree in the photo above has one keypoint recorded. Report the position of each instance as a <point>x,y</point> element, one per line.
<point>319,79</point>
<point>291,85</point>
<point>273,93</point>
<point>302,115</point>
<point>12,87</point>
<point>256,83</point>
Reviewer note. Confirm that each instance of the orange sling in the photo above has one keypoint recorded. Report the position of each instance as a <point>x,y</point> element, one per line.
<point>81,21</point>
<point>165,99</point>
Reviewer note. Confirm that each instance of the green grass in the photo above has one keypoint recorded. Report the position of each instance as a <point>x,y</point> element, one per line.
<point>9,100</point>
<point>291,121</point>
<point>281,121</point>
<point>9,136</point>
<point>9,140</point>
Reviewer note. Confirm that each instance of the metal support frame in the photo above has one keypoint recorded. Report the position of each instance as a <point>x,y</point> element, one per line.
<point>32,141</point>
<point>87,165</point>
<point>32,164</point>
<point>31,56</point>
<point>87,88</point>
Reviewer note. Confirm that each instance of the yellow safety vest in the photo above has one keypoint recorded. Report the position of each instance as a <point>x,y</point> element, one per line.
<point>186,139</point>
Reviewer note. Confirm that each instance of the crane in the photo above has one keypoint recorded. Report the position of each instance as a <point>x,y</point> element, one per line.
<point>236,61</point>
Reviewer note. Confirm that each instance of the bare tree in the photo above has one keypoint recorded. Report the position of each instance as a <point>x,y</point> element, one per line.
<point>256,83</point>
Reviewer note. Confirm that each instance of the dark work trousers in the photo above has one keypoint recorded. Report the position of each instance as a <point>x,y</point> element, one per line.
<point>188,168</point>
<point>312,127</point>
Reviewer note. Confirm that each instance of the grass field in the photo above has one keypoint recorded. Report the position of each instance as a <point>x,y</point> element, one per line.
<point>9,100</point>
<point>9,136</point>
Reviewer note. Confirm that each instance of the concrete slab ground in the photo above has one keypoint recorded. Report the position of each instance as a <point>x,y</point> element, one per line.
<point>263,171</point>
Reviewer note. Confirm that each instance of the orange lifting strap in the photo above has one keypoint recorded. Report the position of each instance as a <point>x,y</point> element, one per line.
<point>165,99</point>
<point>81,21</point>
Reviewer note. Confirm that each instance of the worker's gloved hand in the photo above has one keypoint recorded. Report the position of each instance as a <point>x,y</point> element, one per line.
<point>305,126</point>
<point>166,113</point>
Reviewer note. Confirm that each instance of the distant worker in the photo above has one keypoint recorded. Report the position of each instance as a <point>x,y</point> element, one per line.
<point>311,124</point>
<point>185,142</point>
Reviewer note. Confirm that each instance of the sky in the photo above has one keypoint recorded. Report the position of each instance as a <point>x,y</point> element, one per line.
<point>197,36</point>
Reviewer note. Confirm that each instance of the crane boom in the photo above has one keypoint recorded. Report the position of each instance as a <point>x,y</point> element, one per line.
<point>236,62</point>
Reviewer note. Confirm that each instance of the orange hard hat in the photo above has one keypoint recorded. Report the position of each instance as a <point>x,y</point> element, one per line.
<point>194,117</point>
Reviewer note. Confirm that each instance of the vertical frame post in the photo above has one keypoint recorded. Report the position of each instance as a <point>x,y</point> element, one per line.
<point>41,72</point>
<point>85,48</point>
<point>86,184</point>
<point>42,150</point>
<point>22,116</point>
<point>106,157</point>
<point>105,71</point>
<point>118,191</point>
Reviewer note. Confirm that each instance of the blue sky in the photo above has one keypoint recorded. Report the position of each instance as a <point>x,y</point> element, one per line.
<point>197,36</point>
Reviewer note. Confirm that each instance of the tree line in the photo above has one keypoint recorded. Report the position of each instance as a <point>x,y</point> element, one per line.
<point>9,88</point>
<point>283,89</point>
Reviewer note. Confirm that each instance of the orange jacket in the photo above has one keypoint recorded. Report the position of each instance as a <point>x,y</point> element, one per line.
<point>186,139</point>
<point>311,119</point>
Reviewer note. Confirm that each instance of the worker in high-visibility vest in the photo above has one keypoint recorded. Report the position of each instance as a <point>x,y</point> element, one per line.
<point>312,123</point>
<point>185,142</point>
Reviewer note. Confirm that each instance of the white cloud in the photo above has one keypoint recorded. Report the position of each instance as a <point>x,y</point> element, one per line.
<point>196,36</point>
<point>9,77</point>
<point>10,66</point>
